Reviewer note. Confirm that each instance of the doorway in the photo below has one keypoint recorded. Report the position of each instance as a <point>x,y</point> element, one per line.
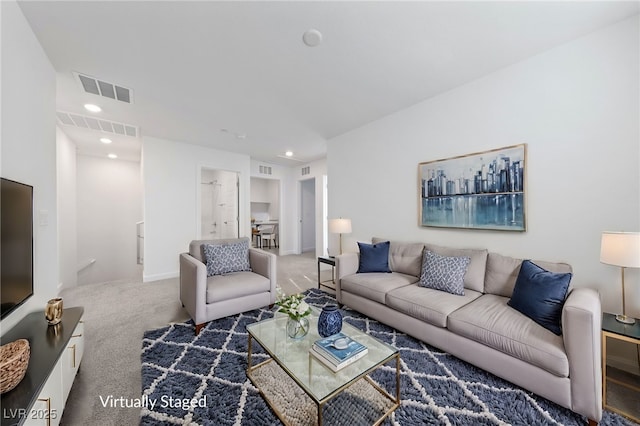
<point>219,204</point>
<point>308,215</point>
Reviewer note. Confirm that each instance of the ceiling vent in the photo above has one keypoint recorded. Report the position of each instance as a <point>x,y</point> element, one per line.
<point>306,170</point>
<point>104,88</point>
<point>92,123</point>
<point>265,170</point>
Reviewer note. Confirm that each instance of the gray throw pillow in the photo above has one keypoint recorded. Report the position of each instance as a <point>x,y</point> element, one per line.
<point>226,258</point>
<point>443,273</point>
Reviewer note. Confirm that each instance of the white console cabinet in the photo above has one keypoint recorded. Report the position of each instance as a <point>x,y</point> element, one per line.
<point>56,353</point>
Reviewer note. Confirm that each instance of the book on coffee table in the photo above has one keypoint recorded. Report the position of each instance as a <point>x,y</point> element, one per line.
<point>338,351</point>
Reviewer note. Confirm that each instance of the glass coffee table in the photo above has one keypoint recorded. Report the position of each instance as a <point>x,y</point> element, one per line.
<point>298,387</point>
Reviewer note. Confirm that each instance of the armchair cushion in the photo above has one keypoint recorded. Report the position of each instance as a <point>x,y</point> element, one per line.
<point>235,285</point>
<point>226,258</point>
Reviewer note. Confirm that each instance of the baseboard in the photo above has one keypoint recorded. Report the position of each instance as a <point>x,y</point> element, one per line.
<point>158,277</point>
<point>624,364</point>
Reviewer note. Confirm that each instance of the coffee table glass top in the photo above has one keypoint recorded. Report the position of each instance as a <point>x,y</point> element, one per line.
<point>310,374</point>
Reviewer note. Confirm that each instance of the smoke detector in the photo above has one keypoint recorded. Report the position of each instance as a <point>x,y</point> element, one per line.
<point>312,37</point>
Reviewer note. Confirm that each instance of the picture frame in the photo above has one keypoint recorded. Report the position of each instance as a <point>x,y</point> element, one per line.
<point>484,190</point>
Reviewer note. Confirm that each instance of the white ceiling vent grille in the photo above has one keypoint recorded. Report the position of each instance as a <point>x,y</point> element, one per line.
<point>104,88</point>
<point>85,122</point>
<point>306,170</point>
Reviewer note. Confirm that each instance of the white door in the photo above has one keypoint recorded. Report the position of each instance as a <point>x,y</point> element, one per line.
<point>308,215</point>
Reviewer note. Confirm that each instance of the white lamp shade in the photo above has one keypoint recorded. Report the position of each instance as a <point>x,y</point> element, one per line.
<point>340,226</point>
<point>620,249</point>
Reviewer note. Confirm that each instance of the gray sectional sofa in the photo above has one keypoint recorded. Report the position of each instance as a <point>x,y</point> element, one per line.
<point>480,328</point>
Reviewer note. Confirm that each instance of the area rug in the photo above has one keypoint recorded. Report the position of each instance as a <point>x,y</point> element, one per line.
<point>188,379</point>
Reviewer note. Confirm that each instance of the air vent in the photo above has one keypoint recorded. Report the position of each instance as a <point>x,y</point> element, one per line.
<point>265,170</point>
<point>85,122</point>
<point>306,170</point>
<point>104,88</point>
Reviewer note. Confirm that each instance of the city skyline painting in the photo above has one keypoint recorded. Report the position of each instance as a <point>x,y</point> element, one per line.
<point>484,190</point>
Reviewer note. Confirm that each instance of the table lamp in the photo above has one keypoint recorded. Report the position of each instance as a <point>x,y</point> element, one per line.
<point>340,226</point>
<point>621,249</point>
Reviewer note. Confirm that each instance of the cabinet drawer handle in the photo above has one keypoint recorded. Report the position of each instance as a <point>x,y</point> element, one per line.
<point>73,348</point>
<point>48,402</point>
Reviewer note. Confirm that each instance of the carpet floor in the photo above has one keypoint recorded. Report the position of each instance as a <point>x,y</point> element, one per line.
<point>436,388</point>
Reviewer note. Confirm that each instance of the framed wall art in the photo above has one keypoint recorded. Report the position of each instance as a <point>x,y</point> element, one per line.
<point>485,190</point>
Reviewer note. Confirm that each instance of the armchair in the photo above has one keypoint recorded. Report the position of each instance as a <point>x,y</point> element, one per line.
<point>207,298</point>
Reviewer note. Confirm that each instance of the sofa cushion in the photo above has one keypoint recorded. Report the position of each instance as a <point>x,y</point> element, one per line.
<point>374,257</point>
<point>488,320</point>
<point>474,278</point>
<point>444,273</point>
<point>502,272</point>
<point>375,285</point>
<point>225,258</point>
<point>540,295</point>
<point>425,304</point>
<point>404,257</point>
<point>234,285</point>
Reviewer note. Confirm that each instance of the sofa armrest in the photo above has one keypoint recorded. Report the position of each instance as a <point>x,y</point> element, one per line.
<point>193,286</point>
<point>264,263</point>
<point>346,264</point>
<point>581,331</point>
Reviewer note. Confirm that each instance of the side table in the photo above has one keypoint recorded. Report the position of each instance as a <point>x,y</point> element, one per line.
<point>625,332</point>
<point>329,261</point>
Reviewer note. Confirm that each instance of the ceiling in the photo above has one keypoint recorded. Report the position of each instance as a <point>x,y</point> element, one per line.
<point>237,76</point>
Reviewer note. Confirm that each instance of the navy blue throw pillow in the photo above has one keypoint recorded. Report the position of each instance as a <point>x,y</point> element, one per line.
<point>374,257</point>
<point>540,294</point>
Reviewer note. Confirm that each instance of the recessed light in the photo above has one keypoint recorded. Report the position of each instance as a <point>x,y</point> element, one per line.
<point>92,108</point>
<point>289,154</point>
<point>312,37</point>
<point>112,156</point>
<point>105,140</point>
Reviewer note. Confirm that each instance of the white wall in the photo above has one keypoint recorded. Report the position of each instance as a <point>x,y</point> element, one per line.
<point>28,144</point>
<point>318,170</point>
<point>67,217</point>
<point>109,204</point>
<point>171,179</point>
<point>577,108</point>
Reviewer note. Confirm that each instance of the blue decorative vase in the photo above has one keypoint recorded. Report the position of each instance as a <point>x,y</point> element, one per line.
<point>330,321</point>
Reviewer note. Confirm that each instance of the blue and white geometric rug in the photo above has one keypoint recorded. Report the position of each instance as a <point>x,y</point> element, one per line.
<point>208,372</point>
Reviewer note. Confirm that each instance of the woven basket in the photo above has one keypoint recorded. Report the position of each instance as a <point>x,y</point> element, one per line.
<point>14,359</point>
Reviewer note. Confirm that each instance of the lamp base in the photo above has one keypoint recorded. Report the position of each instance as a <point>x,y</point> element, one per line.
<point>625,319</point>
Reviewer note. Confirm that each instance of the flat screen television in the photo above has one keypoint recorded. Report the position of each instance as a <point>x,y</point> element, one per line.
<point>16,244</point>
